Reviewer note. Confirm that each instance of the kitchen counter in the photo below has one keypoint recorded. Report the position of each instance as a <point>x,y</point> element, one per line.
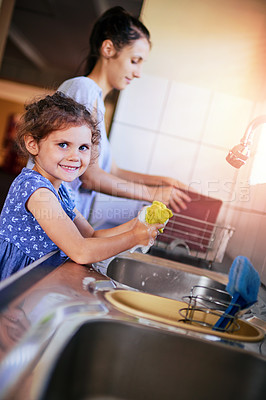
<point>61,284</point>
<point>68,274</point>
<point>64,280</point>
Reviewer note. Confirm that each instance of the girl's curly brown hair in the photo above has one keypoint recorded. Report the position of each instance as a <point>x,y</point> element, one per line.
<point>52,113</point>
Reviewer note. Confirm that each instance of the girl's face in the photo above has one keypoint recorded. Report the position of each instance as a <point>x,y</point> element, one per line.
<point>127,64</point>
<point>63,155</point>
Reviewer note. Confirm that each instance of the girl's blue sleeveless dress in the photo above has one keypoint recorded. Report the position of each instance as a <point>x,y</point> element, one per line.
<point>22,239</point>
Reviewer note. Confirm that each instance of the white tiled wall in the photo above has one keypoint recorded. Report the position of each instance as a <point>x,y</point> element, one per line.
<point>132,146</point>
<point>170,158</point>
<point>143,107</point>
<point>227,120</point>
<point>170,128</point>
<point>211,174</point>
<point>185,112</point>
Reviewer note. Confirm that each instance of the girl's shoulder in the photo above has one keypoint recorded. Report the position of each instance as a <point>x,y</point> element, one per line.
<point>28,181</point>
<point>28,174</point>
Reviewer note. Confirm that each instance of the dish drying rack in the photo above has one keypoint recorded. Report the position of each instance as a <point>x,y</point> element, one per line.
<point>198,238</point>
<point>205,306</point>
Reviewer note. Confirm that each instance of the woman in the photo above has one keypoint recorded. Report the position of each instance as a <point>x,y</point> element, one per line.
<point>119,44</point>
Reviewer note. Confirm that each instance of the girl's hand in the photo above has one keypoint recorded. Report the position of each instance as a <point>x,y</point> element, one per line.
<point>145,234</point>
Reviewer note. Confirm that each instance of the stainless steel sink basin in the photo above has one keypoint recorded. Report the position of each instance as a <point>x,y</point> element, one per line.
<point>160,280</point>
<point>118,360</point>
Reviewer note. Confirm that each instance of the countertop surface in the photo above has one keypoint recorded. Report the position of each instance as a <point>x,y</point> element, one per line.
<point>63,283</point>
<point>66,280</point>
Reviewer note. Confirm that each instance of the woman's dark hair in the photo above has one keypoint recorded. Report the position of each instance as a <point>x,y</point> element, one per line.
<point>52,113</point>
<point>120,27</point>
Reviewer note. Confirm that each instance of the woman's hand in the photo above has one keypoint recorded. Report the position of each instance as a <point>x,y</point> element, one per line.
<point>172,197</point>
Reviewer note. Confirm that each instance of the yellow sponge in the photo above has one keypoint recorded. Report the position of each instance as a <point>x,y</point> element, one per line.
<point>157,213</point>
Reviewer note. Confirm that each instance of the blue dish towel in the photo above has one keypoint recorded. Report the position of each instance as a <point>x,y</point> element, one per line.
<point>243,279</point>
<point>243,285</point>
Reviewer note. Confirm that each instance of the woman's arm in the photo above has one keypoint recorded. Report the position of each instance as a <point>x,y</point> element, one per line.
<point>66,235</point>
<point>133,185</point>
<point>151,180</point>
<point>166,189</point>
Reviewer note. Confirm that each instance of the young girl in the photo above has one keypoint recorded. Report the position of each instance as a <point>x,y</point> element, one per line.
<point>38,215</point>
<point>119,45</point>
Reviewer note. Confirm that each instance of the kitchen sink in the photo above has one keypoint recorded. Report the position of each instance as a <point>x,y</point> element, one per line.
<point>120,360</point>
<point>161,280</point>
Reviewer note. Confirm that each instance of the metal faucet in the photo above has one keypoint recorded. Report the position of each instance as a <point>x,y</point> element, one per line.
<point>239,154</point>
